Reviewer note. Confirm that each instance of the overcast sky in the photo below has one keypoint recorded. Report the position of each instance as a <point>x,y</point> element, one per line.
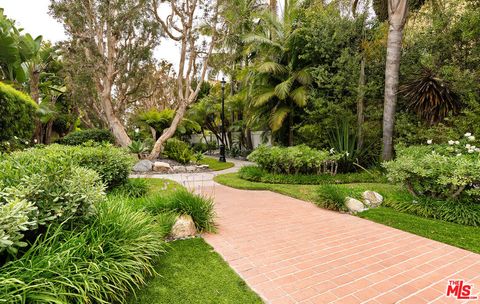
<point>32,15</point>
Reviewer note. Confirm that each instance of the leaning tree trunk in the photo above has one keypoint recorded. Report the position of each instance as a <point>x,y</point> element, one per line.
<point>168,132</point>
<point>118,131</point>
<point>397,14</point>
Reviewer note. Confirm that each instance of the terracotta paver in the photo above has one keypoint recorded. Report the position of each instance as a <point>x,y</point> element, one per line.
<point>290,251</point>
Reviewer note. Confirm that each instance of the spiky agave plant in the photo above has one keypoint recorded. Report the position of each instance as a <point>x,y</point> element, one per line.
<point>430,97</point>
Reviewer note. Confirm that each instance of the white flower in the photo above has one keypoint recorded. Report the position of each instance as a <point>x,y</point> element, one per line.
<point>15,137</point>
<point>26,142</point>
<point>332,151</point>
<point>473,147</point>
<point>451,142</point>
<point>459,154</point>
<point>457,142</point>
<point>471,138</point>
<point>137,130</point>
<point>347,154</point>
<point>429,141</point>
<point>467,146</point>
<point>467,134</point>
<point>7,143</point>
<point>477,150</point>
<point>471,151</point>
<point>35,140</point>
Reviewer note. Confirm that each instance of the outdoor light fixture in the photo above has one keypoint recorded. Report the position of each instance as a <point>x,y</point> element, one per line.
<point>222,144</point>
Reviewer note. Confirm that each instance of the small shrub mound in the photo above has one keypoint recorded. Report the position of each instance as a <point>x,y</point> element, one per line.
<point>178,150</point>
<point>331,197</point>
<point>257,174</point>
<point>17,111</point>
<point>440,172</point>
<point>100,263</point>
<point>83,136</point>
<point>294,160</point>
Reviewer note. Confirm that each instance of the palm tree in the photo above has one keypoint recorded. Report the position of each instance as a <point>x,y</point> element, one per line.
<point>277,85</point>
<point>397,12</point>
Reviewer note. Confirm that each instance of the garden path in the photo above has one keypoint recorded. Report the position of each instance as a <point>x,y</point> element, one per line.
<point>290,251</point>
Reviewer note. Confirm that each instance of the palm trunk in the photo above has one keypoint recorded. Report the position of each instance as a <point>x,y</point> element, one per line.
<point>361,104</point>
<point>397,17</point>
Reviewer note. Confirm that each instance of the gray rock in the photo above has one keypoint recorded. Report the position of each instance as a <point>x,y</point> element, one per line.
<point>191,168</point>
<point>202,167</point>
<point>372,199</point>
<point>354,205</point>
<point>183,227</point>
<point>143,166</point>
<point>179,169</point>
<point>161,167</point>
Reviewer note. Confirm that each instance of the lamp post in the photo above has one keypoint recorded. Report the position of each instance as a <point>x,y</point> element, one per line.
<point>222,144</point>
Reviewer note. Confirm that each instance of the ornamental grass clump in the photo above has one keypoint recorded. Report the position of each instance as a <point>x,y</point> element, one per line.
<point>449,171</point>
<point>99,263</point>
<point>294,160</point>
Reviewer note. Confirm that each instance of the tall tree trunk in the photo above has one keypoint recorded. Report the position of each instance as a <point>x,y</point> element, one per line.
<point>397,14</point>
<point>361,103</point>
<point>118,131</point>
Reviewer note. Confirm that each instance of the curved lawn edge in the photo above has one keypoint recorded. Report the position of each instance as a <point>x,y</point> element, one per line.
<point>465,237</point>
<point>216,165</point>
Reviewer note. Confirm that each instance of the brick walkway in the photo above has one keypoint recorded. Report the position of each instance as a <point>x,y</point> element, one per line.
<point>290,251</point>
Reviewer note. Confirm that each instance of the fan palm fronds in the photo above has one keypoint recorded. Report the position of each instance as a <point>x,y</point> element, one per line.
<point>430,97</point>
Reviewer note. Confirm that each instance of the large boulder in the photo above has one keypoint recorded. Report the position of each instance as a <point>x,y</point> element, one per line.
<point>184,227</point>
<point>372,199</point>
<point>161,167</point>
<point>143,166</point>
<point>191,168</point>
<point>354,205</point>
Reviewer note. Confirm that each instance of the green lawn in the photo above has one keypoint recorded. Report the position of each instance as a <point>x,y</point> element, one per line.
<point>214,164</point>
<point>191,272</point>
<point>466,237</point>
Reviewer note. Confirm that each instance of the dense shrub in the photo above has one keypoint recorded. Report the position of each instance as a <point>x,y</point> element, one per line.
<point>38,189</point>
<point>182,202</point>
<point>101,263</point>
<point>17,111</point>
<point>16,216</point>
<point>445,172</point>
<point>112,164</point>
<point>257,174</point>
<point>80,137</point>
<point>294,160</point>
<point>178,150</point>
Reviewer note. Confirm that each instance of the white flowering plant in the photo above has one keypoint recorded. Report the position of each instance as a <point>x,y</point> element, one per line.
<point>446,171</point>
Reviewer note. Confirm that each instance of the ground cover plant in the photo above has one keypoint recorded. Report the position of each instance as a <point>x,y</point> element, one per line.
<point>392,212</point>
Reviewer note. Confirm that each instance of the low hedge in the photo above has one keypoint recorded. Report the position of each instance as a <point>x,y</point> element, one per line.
<point>80,137</point>
<point>294,160</point>
<point>257,174</point>
<point>112,164</point>
<point>17,112</point>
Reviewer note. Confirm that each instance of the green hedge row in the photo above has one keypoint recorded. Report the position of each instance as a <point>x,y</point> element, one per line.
<point>17,112</point>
